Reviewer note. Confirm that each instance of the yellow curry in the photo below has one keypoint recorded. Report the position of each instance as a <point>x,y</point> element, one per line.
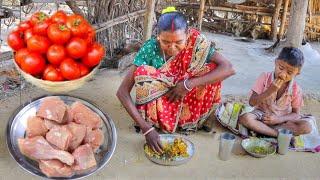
<point>170,150</point>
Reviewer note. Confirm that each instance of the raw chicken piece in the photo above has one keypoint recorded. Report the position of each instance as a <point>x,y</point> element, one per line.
<point>38,148</point>
<point>83,115</point>
<point>53,108</point>
<point>50,124</point>
<point>60,136</point>
<point>55,168</point>
<point>35,127</point>
<point>78,133</point>
<point>84,158</point>
<point>69,115</point>
<point>94,138</point>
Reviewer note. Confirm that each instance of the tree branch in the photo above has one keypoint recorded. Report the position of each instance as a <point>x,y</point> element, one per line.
<point>75,8</point>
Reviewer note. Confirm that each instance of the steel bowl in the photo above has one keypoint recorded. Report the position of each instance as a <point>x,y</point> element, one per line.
<point>17,124</point>
<point>250,143</point>
<point>169,138</point>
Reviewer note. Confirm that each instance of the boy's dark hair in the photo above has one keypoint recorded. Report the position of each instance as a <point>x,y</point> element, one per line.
<point>292,56</point>
<point>172,21</point>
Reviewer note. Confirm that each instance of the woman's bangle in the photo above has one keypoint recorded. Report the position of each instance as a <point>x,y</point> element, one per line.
<point>147,132</point>
<point>185,85</point>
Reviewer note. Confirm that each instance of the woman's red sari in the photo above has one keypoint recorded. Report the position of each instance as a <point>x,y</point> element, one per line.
<point>152,84</point>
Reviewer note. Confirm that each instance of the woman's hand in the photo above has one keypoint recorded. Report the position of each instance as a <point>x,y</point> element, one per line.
<point>125,98</point>
<point>223,71</point>
<point>153,140</point>
<point>177,92</point>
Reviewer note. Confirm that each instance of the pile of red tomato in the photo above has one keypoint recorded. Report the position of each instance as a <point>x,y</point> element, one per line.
<point>57,48</point>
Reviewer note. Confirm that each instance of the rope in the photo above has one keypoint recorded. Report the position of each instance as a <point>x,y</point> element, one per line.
<point>20,76</point>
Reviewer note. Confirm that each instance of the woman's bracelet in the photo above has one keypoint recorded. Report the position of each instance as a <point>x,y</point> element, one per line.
<point>147,132</point>
<point>185,85</point>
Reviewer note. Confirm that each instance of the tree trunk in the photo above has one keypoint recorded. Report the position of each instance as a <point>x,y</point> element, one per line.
<point>275,17</point>
<point>297,23</point>
<point>148,21</point>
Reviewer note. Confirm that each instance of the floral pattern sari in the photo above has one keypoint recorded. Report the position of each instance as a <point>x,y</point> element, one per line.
<point>152,84</point>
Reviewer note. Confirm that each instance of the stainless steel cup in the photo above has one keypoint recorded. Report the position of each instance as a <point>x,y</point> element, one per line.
<point>284,139</point>
<point>226,144</point>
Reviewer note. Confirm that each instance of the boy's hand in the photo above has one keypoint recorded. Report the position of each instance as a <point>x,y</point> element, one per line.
<point>278,83</point>
<point>271,119</point>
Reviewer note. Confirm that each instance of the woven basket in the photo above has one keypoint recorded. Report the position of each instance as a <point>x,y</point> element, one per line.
<point>57,87</point>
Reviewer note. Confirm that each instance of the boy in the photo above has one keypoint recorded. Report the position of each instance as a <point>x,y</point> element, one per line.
<point>277,98</point>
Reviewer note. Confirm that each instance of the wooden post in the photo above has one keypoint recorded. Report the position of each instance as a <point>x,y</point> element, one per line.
<point>201,12</point>
<point>283,18</point>
<point>226,22</point>
<point>148,20</point>
<point>310,11</point>
<point>275,17</point>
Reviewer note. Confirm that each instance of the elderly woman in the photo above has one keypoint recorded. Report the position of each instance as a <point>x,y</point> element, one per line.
<point>177,76</point>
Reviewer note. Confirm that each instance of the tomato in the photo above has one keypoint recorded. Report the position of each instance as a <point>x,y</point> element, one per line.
<point>33,63</point>
<point>15,40</point>
<point>90,38</point>
<point>38,17</point>
<point>55,54</point>
<point>59,33</point>
<point>27,34</point>
<point>41,28</point>
<point>48,68</point>
<point>95,54</point>
<point>24,25</point>
<point>38,44</point>
<point>52,74</point>
<point>78,25</point>
<point>76,48</point>
<point>20,55</point>
<point>84,70</point>
<point>70,69</point>
<point>59,17</point>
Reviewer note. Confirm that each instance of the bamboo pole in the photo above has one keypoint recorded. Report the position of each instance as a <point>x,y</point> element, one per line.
<point>148,21</point>
<point>275,17</point>
<point>310,11</point>
<point>118,20</point>
<point>226,7</point>
<point>201,12</point>
<point>283,18</point>
<point>238,11</point>
<point>237,20</point>
<point>313,26</point>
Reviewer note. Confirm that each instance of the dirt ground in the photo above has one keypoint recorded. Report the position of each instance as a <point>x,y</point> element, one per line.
<point>129,161</point>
